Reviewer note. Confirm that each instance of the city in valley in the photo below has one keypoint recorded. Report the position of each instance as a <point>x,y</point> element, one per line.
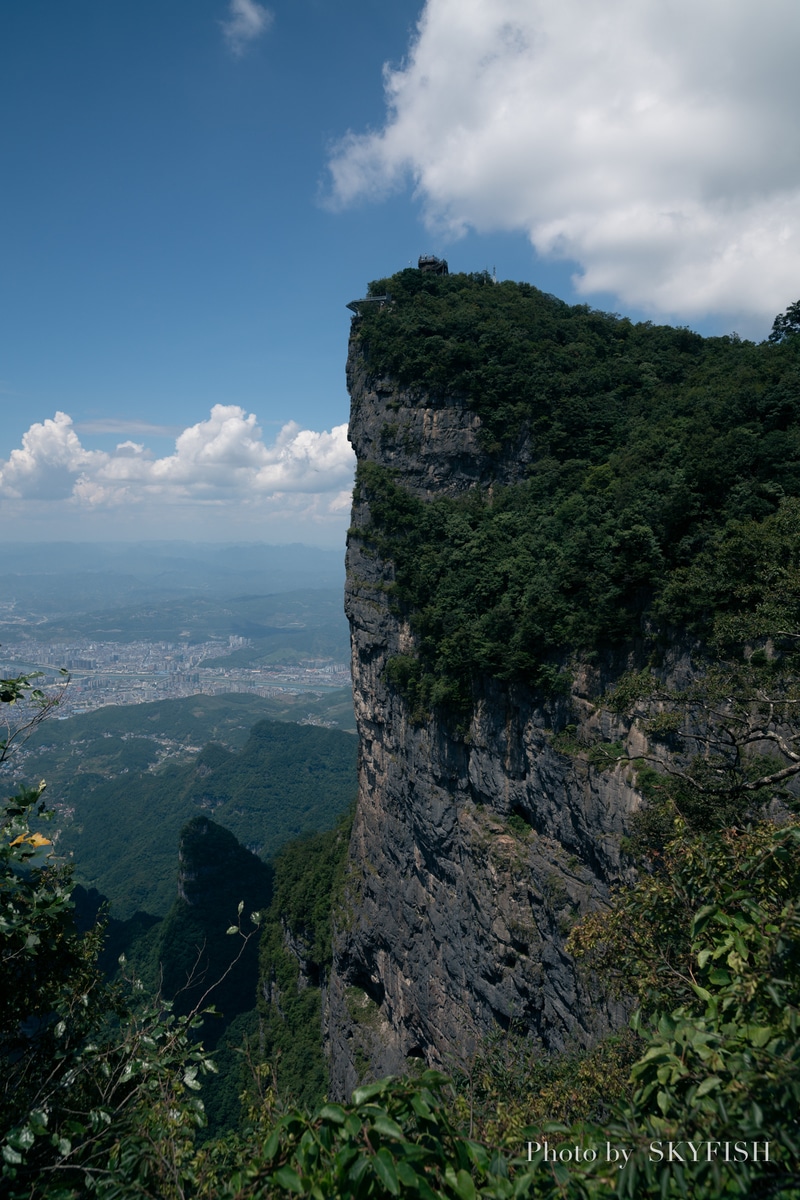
<point>136,672</point>
<point>163,621</point>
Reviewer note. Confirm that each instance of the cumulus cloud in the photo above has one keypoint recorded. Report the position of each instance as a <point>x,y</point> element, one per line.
<point>652,143</point>
<point>49,461</point>
<point>223,460</point>
<point>246,21</point>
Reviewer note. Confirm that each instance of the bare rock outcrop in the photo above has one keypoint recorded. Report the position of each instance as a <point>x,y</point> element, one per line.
<point>472,853</point>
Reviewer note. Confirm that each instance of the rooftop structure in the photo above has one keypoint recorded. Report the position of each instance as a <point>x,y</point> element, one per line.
<point>429,264</point>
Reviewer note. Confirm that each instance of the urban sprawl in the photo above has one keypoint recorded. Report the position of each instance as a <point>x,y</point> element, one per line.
<point>136,672</point>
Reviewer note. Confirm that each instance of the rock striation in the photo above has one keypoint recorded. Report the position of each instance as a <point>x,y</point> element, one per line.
<point>472,853</point>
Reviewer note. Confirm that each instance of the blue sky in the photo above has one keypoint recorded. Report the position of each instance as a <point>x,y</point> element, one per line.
<point>193,189</point>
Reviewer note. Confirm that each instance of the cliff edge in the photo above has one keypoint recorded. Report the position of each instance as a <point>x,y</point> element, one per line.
<point>476,844</point>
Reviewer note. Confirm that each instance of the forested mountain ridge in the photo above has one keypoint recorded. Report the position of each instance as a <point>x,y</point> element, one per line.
<point>551,503</point>
<point>631,476</point>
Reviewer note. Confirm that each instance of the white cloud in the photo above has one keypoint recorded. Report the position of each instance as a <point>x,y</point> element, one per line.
<point>49,461</point>
<point>125,425</point>
<point>246,22</point>
<point>652,141</point>
<point>221,461</point>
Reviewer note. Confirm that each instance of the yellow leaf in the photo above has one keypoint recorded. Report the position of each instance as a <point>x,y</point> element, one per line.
<point>33,839</point>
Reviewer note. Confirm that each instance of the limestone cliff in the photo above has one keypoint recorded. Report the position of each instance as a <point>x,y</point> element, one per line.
<point>215,873</point>
<point>472,853</point>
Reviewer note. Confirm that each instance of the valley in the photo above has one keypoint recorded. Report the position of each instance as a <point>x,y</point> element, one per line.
<point>164,697</point>
<point>128,654</point>
<point>139,672</point>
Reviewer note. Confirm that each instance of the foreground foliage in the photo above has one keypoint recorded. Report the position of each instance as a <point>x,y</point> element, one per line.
<point>101,1095</point>
<point>717,953</point>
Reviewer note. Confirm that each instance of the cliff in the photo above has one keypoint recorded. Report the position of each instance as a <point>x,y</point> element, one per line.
<point>215,873</point>
<point>550,501</point>
<point>295,961</point>
<point>474,848</point>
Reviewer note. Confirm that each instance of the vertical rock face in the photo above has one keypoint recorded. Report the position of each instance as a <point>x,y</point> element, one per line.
<point>471,856</point>
<point>215,873</point>
<point>212,864</point>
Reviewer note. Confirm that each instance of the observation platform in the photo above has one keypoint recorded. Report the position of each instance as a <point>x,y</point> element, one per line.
<point>356,306</point>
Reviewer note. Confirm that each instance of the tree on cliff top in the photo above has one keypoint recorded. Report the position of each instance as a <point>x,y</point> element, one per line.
<point>663,486</point>
<point>786,324</point>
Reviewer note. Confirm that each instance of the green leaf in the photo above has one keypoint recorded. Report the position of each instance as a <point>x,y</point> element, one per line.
<point>352,1125</point>
<point>498,1165</point>
<point>708,1085</point>
<point>25,1138</point>
<point>364,1094</point>
<point>333,1112</point>
<point>358,1168</point>
<point>479,1155</point>
<point>385,1170</point>
<point>760,1035</point>
<point>465,1188</point>
<point>406,1174</point>
<point>389,1128</point>
<point>701,917</point>
<point>287,1178</point>
<point>271,1145</point>
<point>655,1052</point>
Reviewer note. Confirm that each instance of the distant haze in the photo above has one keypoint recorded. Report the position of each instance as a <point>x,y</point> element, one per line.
<point>58,572</point>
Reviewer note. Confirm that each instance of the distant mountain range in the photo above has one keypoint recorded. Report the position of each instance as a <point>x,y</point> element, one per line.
<point>71,577</point>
